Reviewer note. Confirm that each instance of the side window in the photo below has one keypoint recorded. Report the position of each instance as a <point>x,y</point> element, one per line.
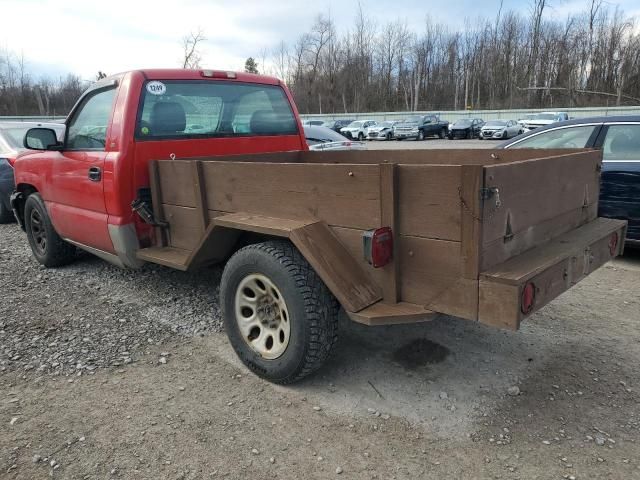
<point>572,137</point>
<point>622,143</point>
<point>88,127</point>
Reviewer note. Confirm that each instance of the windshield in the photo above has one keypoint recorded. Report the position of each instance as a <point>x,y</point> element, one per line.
<point>462,123</point>
<point>187,108</point>
<point>413,120</point>
<point>495,123</point>
<point>315,135</point>
<point>545,116</point>
<point>355,124</point>
<point>386,124</point>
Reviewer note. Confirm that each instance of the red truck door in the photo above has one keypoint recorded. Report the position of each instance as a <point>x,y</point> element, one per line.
<point>77,205</point>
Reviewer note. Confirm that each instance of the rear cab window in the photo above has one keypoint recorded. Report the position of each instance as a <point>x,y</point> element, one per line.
<point>566,137</point>
<point>206,109</point>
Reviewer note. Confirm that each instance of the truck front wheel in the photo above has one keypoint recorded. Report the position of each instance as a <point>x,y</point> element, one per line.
<point>47,246</point>
<point>281,319</point>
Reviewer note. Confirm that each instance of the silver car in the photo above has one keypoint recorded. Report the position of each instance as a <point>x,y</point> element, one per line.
<point>500,129</point>
<point>323,138</point>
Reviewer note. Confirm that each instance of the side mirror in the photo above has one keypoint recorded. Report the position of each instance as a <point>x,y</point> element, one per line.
<point>42,139</point>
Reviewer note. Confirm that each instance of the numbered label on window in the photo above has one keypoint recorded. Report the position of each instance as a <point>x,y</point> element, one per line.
<point>156,88</point>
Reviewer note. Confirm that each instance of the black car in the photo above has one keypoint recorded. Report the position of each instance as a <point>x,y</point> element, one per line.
<point>336,125</point>
<point>11,137</point>
<point>465,128</point>
<point>619,139</point>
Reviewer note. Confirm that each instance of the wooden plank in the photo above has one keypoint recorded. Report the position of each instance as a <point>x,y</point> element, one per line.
<point>352,241</point>
<point>385,314</point>
<point>499,305</point>
<point>471,219</point>
<point>388,206</point>
<point>341,195</point>
<point>176,182</point>
<point>184,226</point>
<point>200,194</point>
<point>432,277</point>
<point>216,245</point>
<point>156,200</point>
<point>520,269</point>
<point>167,256</point>
<point>531,194</point>
<point>279,227</point>
<point>428,196</point>
<point>342,274</point>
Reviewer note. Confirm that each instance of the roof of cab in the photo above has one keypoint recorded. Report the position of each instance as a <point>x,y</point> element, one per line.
<point>188,74</point>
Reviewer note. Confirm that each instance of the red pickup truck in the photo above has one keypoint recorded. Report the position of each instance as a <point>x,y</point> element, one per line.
<point>190,168</point>
<point>89,181</point>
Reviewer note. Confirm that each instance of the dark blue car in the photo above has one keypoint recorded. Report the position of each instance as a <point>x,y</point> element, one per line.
<point>11,137</point>
<point>619,139</point>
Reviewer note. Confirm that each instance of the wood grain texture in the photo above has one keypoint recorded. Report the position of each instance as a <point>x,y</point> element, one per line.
<point>428,201</point>
<point>341,195</point>
<point>200,194</point>
<point>279,227</point>
<point>156,200</point>
<point>388,218</point>
<point>176,182</point>
<point>432,277</point>
<point>167,256</point>
<point>533,193</point>
<point>185,226</point>
<point>385,314</point>
<point>471,219</point>
<point>342,274</point>
<point>216,245</point>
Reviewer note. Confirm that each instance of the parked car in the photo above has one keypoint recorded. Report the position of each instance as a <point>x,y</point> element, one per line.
<point>527,117</point>
<point>323,138</point>
<point>543,119</point>
<point>619,139</point>
<point>501,129</point>
<point>337,125</point>
<point>420,127</point>
<point>313,122</point>
<point>11,144</point>
<point>358,129</point>
<point>465,128</point>
<point>382,131</point>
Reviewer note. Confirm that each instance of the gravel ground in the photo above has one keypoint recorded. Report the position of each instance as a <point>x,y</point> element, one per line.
<point>106,373</point>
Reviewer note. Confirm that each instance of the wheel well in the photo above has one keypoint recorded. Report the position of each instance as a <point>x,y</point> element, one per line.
<point>25,189</point>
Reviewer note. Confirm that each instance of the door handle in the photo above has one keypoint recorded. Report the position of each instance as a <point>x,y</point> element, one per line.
<point>95,174</point>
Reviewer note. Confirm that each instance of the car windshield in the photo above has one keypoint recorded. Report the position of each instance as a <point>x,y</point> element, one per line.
<point>545,116</point>
<point>329,124</point>
<point>315,135</point>
<point>496,123</point>
<point>462,123</point>
<point>355,124</point>
<point>385,124</point>
<point>413,120</point>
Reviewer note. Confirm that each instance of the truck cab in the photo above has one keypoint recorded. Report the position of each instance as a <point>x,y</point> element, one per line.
<point>88,181</point>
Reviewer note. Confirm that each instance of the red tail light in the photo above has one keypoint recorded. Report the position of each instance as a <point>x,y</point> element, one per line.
<point>528,298</point>
<point>378,246</point>
<point>613,244</point>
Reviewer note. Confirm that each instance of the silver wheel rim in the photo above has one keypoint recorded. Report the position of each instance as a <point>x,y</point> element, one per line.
<point>262,316</point>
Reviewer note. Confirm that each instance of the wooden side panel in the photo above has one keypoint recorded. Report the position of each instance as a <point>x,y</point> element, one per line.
<point>185,226</point>
<point>428,199</point>
<point>388,218</point>
<point>279,227</point>
<point>352,241</point>
<point>176,182</point>
<point>341,195</point>
<point>342,274</point>
<point>432,276</point>
<point>499,305</point>
<point>471,219</point>
<point>532,194</point>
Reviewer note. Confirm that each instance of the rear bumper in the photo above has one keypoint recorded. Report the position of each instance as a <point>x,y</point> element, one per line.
<point>551,268</point>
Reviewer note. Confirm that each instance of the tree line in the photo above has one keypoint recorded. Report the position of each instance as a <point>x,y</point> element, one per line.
<point>21,94</point>
<point>591,58</point>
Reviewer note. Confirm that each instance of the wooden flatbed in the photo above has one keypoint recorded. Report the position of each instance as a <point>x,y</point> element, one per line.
<point>471,228</point>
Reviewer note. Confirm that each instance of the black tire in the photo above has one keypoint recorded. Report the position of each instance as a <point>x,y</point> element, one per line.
<point>442,133</point>
<point>420,136</point>
<point>450,137</point>
<point>47,246</point>
<point>399,139</point>
<point>360,136</point>
<point>312,310</point>
<point>6,215</point>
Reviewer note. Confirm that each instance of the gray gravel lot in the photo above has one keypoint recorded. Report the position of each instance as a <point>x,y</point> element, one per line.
<point>106,373</point>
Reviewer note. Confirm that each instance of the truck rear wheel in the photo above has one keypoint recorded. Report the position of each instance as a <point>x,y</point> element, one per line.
<point>442,133</point>
<point>281,319</point>
<point>47,246</point>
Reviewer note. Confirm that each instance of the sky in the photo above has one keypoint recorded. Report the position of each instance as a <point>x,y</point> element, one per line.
<point>84,36</point>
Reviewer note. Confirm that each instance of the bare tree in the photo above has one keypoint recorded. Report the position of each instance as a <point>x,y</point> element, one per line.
<point>191,49</point>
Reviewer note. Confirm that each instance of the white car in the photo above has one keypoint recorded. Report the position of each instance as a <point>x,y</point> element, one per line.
<point>358,129</point>
<point>543,119</point>
<point>323,139</point>
<point>500,129</point>
<point>381,131</point>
